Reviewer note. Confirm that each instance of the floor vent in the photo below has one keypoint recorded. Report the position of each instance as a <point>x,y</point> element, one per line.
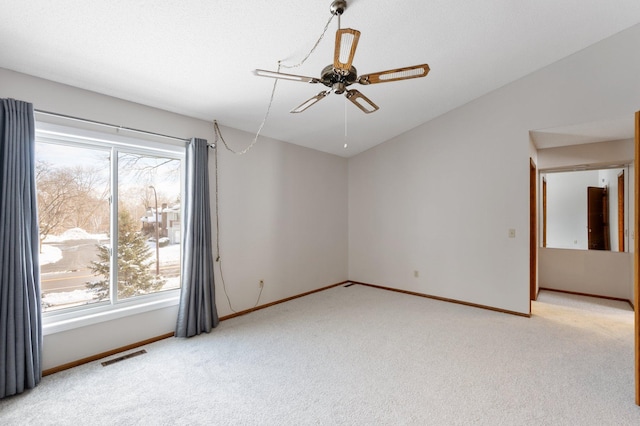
<point>123,357</point>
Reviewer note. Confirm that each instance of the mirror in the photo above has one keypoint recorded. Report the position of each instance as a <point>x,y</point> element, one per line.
<point>586,209</point>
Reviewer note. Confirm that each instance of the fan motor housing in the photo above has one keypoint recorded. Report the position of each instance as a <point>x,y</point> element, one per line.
<point>337,81</point>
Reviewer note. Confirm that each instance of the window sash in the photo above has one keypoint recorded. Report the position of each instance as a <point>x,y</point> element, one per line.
<point>61,135</point>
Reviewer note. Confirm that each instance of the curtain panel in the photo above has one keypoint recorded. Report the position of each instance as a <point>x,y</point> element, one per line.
<point>20,315</point>
<point>197,310</point>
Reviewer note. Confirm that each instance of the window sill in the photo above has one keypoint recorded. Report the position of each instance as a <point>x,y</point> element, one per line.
<point>56,323</point>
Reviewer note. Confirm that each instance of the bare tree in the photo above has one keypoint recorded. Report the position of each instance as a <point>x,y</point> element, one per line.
<point>145,168</point>
<point>70,197</point>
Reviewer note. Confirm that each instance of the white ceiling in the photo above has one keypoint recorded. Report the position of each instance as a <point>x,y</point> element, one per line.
<point>614,129</point>
<point>196,57</point>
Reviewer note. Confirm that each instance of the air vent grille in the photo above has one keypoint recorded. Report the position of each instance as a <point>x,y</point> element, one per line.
<point>123,357</point>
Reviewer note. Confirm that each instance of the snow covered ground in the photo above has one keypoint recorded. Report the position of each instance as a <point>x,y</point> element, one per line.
<point>64,299</point>
<point>49,254</point>
<point>74,234</point>
<point>168,254</point>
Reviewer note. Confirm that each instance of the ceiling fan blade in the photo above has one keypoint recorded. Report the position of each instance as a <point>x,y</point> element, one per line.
<point>361,101</point>
<point>309,102</point>
<point>406,73</point>
<point>346,43</point>
<point>293,77</point>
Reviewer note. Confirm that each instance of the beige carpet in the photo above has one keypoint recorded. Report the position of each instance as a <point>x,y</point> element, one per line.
<point>363,356</point>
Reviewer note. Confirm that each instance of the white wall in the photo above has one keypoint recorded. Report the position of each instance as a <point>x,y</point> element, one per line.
<point>567,208</point>
<point>592,155</point>
<point>283,215</point>
<point>283,219</point>
<point>596,272</point>
<point>441,198</point>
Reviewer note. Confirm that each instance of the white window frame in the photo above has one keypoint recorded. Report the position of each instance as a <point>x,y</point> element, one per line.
<point>81,316</point>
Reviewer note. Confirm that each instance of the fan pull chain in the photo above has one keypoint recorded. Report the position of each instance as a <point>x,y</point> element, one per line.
<point>346,145</point>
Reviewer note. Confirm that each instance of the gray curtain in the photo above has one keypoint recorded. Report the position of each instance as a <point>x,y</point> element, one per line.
<point>197,311</point>
<point>20,317</point>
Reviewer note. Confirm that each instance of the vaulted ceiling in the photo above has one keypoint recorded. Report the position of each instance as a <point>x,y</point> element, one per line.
<point>196,57</point>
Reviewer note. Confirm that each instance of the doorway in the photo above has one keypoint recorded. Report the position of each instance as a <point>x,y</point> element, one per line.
<point>598,218</point>
<point>632,235</point>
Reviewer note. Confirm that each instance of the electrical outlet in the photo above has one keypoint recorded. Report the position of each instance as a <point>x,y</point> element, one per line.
<point>416,274</point>
<point>512,233</point>
<point>261,284</point>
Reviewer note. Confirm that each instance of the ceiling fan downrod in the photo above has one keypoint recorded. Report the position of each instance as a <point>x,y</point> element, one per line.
<point>337,9</point>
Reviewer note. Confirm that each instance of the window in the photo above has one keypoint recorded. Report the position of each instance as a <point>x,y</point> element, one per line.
<point>110,219</point>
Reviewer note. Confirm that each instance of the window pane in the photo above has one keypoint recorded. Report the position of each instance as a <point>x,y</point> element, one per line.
<point>148,224</point>
<point>73,209</point>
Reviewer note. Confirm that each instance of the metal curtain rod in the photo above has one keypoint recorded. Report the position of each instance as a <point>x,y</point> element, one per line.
<point>100,123</point>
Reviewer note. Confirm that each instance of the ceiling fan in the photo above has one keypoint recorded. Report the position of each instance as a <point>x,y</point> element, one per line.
<point>341,74</point>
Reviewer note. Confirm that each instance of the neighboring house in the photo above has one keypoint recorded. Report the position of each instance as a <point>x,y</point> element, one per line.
<point>169,220</point>
<point>171,223</point>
